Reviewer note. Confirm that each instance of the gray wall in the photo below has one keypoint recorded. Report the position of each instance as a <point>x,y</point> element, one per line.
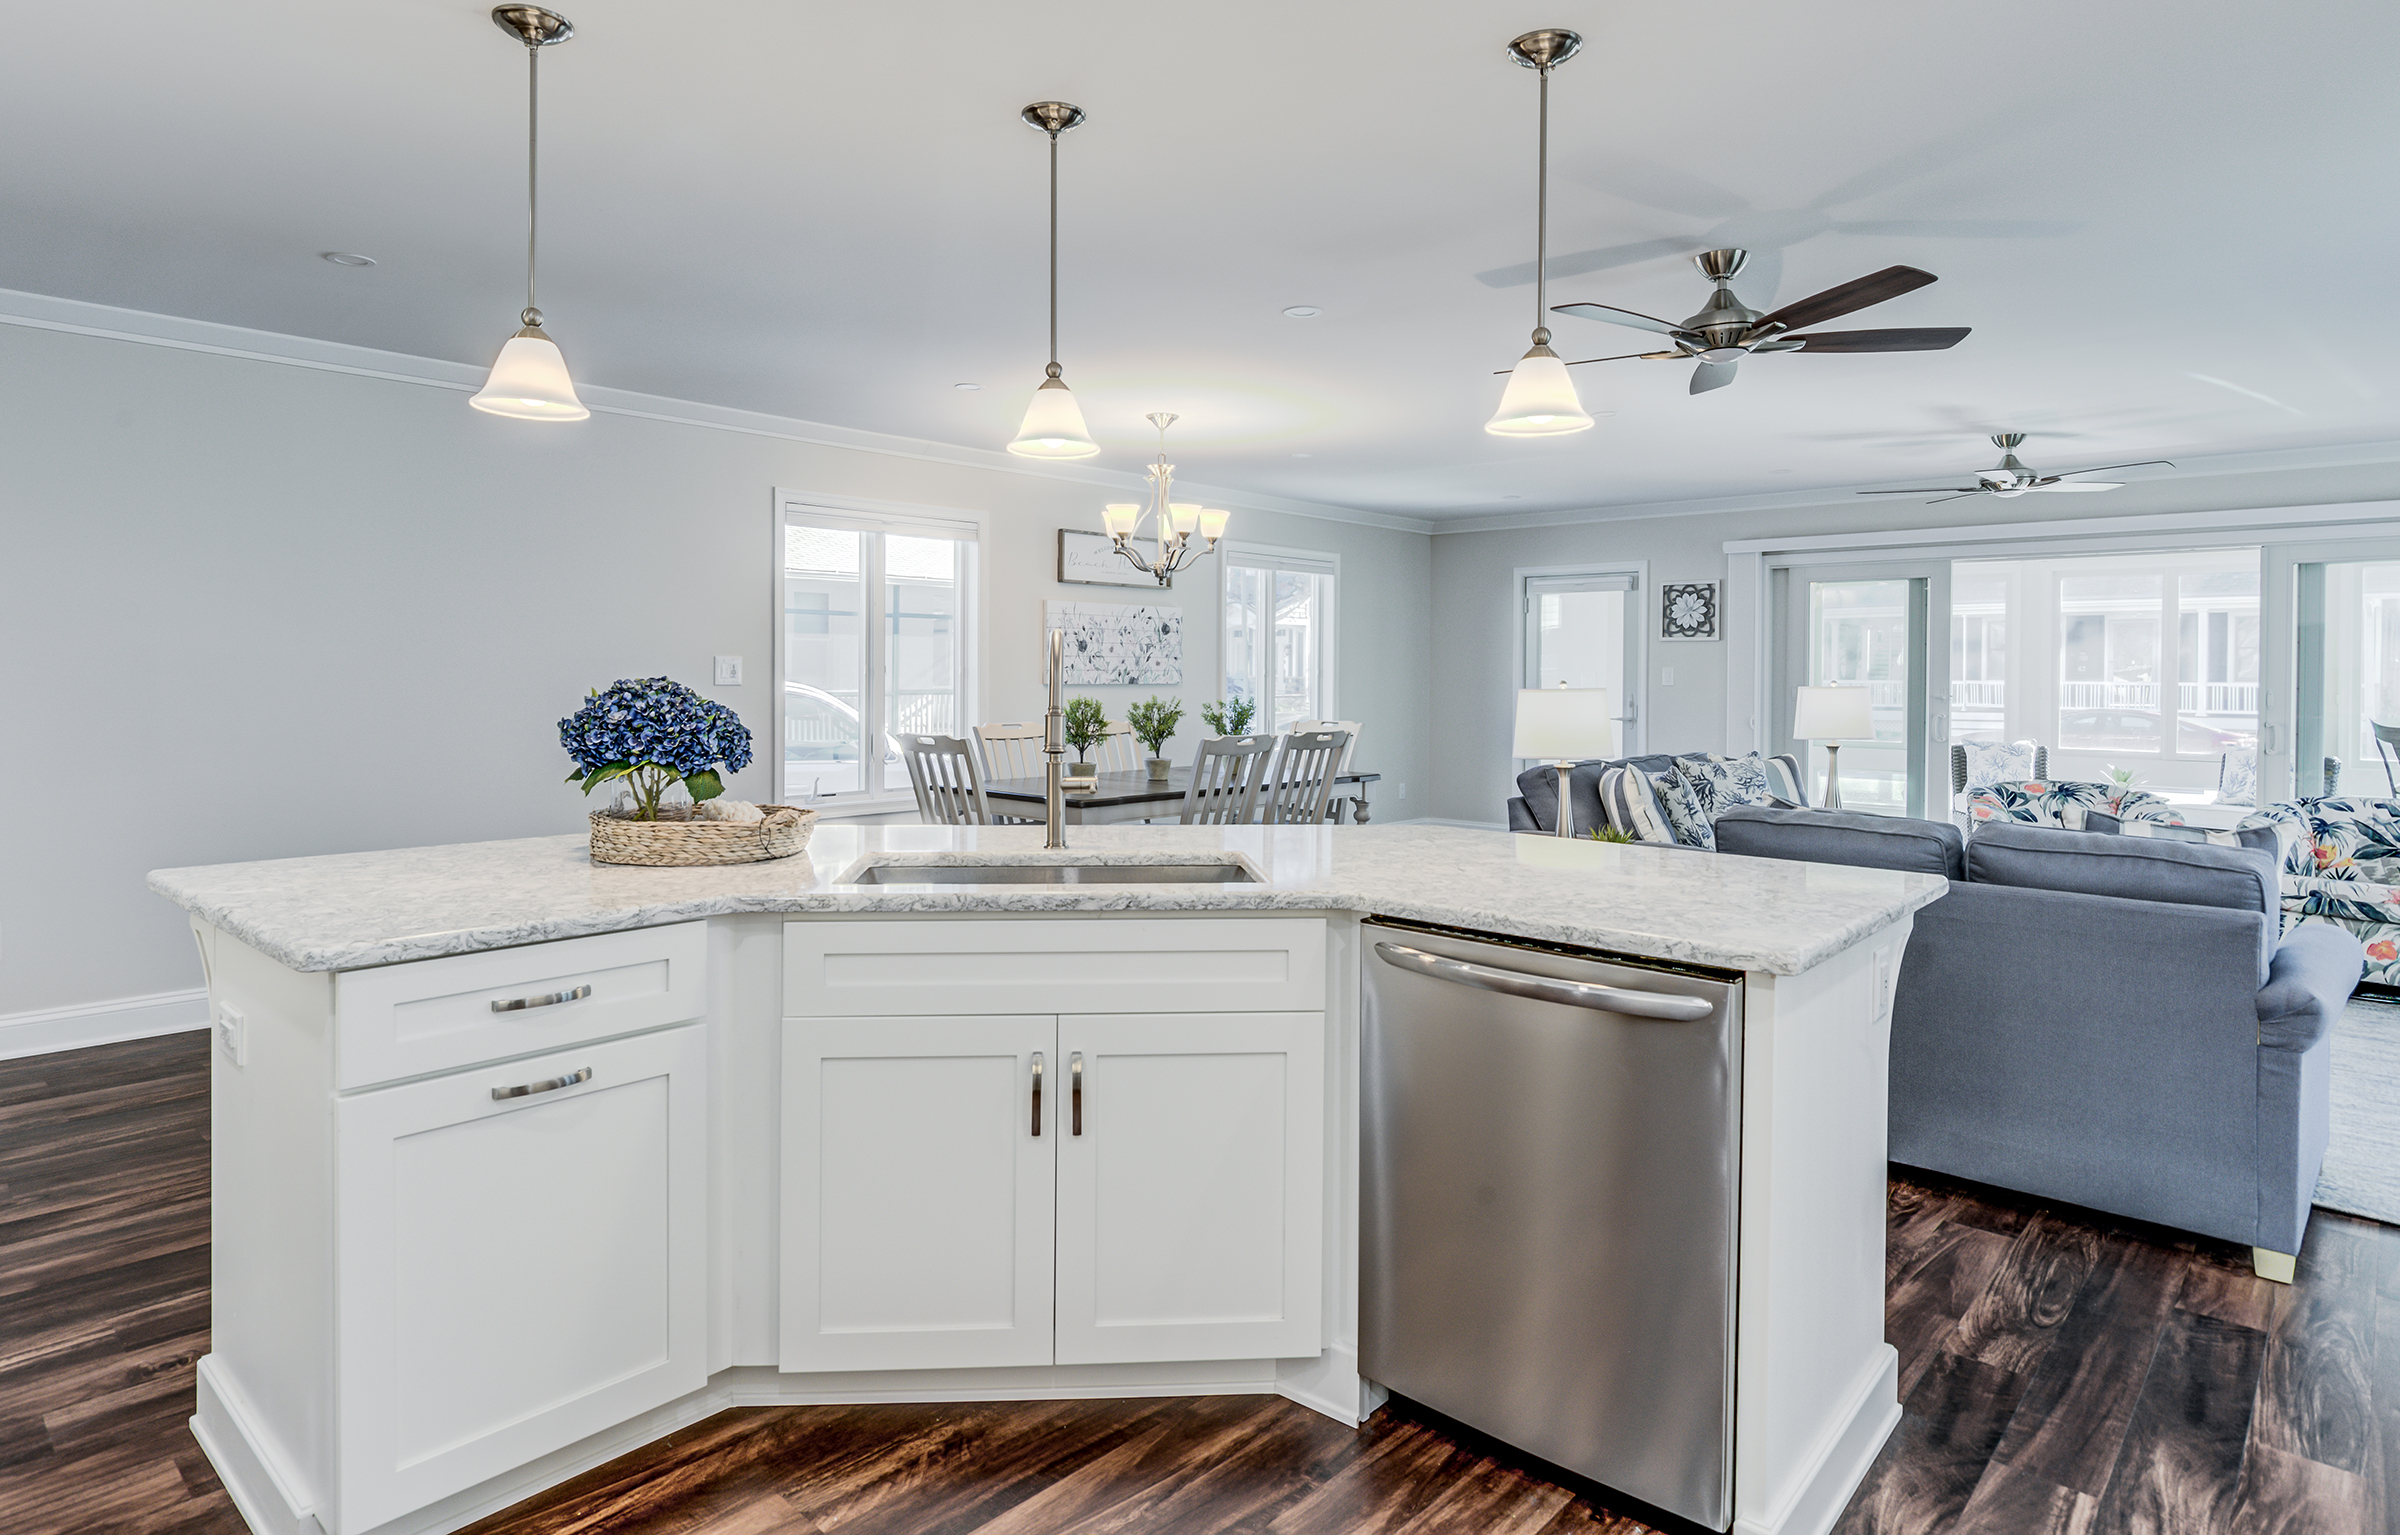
<point>255,611</point>
<point>1475,666</point>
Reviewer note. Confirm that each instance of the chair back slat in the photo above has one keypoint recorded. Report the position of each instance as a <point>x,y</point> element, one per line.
<point>1348,727</point>
<point>1225,780</point>
<point>1010,750</point>
<point>1117,752</point>
<point>1301,786</point>
<point>2387,747</point>
<point>948,784</point>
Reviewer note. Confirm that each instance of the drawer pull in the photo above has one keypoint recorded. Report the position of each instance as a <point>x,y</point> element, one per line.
<point>1037,1092</point>
<point>547,999</point>
<point>550,1085</point>
<point>1075,1076</point>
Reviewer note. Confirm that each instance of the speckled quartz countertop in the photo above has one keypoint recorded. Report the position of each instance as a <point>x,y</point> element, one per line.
<point>349,910</point>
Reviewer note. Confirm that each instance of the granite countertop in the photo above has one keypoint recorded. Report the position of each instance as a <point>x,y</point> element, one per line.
<point>345,911</point>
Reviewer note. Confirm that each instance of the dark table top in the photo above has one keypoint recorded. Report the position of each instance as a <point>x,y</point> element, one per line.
<point>1133,788</point>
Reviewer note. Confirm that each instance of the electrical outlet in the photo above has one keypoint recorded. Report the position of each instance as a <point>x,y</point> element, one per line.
<point>729,671</point>
<point>233,1035</point>
<point>1403,791</point>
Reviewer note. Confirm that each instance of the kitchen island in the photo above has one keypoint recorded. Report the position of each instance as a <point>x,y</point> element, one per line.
<point>520,1161</point>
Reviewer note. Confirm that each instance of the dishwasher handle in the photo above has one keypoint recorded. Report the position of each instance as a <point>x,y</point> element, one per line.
<point>1542,988</point>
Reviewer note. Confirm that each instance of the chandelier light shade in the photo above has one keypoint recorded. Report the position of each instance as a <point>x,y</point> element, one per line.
<point>1540,398</point>
<point>1053,426</point>
<point>1173,522</point>
<point>530,381</point>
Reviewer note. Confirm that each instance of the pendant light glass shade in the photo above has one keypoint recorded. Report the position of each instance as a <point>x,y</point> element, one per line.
<point>1054,425</point>
<point>1539,400</point>
<point>530,382</point>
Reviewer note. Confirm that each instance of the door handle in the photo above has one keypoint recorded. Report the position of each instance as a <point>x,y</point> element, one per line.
<point>548,1085</point>
<point>1543,988</point>
<point>1075,1090</point>
<point>547,999</point>
<point>1037,1092</point>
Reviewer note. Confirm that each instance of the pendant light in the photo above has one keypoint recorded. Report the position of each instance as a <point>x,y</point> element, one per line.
<point>530,380</point>
<point>1540,399</point>
<point>1053,425</point>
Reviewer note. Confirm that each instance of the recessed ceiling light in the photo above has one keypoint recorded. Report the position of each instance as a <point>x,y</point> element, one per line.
<point>966,386</point>
<point>348,258</point>
<point>1302,455</point>
<point>1302,312</point>
<point>1512,498</point>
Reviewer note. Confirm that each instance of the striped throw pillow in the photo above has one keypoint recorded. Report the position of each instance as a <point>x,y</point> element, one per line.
<point>1632,806</point>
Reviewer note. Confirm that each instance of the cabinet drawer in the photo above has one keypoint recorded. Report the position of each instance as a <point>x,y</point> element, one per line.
<point>1231,964</point>
<point>440,1014</point>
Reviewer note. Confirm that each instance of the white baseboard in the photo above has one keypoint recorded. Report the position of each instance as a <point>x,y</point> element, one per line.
<point>101,1023</point>
<point>1443,820</point>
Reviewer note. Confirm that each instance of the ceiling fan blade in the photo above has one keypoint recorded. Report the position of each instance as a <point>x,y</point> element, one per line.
<point>1883,340</point>
<point>1850,297</point>
<point>1926,490</point>
<point>1615,316</point>
<point>2079,485</point>
<point>2147,463</point>
<point>1580,361</point>
<point>1961,496</point>
<point>1712,375</point>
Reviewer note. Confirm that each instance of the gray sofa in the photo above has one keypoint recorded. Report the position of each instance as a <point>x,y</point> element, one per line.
<point>1536,806</point>
<point>2107,1021</point>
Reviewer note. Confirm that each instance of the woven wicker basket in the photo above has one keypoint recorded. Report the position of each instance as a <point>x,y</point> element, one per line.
<point>675,838</point>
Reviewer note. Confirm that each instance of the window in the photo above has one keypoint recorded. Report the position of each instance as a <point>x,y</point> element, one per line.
<point>1278,637</point>
<point>877,614</point>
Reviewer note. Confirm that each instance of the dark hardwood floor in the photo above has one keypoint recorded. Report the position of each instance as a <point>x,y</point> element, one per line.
<point>2062,1374</point>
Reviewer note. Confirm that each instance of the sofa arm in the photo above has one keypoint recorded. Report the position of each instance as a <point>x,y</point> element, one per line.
<point>2313,973</point>
<point>1520,816</point>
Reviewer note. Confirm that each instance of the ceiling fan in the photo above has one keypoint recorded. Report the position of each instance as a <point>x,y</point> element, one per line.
<point>2011,478</point>
<point>1725,330</point>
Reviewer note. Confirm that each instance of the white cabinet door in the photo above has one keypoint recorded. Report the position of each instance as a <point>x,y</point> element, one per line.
<point>514,1273</point>
<point>1191,1196</point>
<point>918,1188</point>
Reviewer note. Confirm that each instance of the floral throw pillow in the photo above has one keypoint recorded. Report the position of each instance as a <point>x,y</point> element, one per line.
<point>2237,782</point>
<point>2037,803</point>
<point>1684,813</point>
<point>1720,783</point>
<point>1991,762</point>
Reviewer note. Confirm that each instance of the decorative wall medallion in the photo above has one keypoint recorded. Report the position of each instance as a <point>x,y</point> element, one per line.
<point>1091,559</point>
<point>1109,645</point>
<point>1687,610</point>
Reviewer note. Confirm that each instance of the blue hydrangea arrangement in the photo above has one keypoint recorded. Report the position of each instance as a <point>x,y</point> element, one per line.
<point>654,733</point>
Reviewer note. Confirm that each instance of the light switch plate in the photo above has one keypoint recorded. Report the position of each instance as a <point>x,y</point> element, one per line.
<point>233,1035</point>
<point>729,671</point>
<point>1666,676</point>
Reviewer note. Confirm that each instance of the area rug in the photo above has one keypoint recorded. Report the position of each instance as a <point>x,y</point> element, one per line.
<point>2362,1164</point>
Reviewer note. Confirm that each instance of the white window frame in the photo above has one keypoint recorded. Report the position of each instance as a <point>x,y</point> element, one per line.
<point>1313,562</point>
<point>868,516</point>
<point>1633,710</point>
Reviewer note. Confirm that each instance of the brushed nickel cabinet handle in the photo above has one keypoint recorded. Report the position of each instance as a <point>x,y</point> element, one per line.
<point>549,1085</point>
<point>1037,1092</point>
<point>546,999</point>
<point>1075,1089</point>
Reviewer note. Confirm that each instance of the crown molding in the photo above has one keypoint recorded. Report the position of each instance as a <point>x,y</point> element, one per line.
<point>2268,460</point>
<point>37,311</point>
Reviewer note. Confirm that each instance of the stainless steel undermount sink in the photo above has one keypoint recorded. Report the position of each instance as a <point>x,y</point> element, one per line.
<point>1056,874</point>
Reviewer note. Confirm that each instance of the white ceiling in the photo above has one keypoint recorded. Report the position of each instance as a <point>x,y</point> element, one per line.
<point>2171,224</point>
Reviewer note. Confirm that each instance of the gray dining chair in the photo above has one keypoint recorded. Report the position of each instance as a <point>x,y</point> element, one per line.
<point>2387,746</point>
<point>948,784</point>
<point>1299,791</point>
<point>1225,780</point>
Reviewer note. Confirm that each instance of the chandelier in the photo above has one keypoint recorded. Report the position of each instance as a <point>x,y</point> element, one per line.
<point>1172,522</point>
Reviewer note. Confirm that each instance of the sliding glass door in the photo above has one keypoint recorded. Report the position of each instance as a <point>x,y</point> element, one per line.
<point>1871,627</point>
<point>2348,657</point>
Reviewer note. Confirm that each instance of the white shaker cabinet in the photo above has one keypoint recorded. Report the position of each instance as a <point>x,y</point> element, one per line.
<point>1191,1193</point>
<point>918,1180</point>
<point>520,1261</point>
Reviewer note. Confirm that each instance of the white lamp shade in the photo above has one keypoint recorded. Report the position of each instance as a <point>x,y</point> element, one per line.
<point>1185,515</point>
<point>1053,425</point>
<point>1119,517</point>
<point>1539,400</point>
<point>1212,523</point>
<point>1833,714</point>
<point>530,382</point>
<point>1560,724</point>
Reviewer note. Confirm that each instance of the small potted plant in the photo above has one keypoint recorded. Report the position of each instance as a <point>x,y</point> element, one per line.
<point>1086,727</point>
<point>1230,719</point>
<point>649,736</point>
<point>1154,720</point>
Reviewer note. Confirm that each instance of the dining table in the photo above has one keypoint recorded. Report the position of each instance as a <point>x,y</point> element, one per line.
<point>1136,796</point>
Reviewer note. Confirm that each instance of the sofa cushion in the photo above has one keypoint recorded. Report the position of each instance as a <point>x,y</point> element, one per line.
<point>2337,838</point>
<point>2039,802</point>
<point>2259,839</point>
<point>1632,806</point>
<point>2131,868</point>
<point>1846,837</point>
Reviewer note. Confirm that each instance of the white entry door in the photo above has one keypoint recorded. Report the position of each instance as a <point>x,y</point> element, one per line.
<point>1586,630</point>
<point>917,1192</point>
<point>1191,1180</point>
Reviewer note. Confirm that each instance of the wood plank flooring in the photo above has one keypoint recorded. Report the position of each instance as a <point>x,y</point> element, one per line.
<point>2062,1374</point>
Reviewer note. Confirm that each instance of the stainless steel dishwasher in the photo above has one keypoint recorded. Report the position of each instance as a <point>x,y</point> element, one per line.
<point>1547,1232</point>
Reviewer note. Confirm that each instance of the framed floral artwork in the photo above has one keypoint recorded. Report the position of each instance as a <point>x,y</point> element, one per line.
<point>1687,610</point>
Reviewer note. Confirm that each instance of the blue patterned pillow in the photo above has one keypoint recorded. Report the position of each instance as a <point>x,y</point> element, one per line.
<point>1991,762</point>
<point>1720,783</point>
<point>1683,811</point>
<point>2237,777</point>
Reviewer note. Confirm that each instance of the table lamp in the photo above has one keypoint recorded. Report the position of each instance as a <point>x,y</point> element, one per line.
<point>1832,716</point>
<point>1562,724</point>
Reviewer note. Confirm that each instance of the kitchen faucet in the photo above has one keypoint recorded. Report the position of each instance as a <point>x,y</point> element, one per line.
<point>1054,748</point>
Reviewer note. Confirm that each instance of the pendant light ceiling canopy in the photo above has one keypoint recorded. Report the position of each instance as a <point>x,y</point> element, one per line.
<point>1053,426</point>
<point>1540,398</point>
<point>530,380</point>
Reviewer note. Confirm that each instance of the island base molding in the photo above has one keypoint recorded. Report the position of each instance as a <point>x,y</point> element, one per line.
<point>272,1504</point>
<point>1849,1446</point>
